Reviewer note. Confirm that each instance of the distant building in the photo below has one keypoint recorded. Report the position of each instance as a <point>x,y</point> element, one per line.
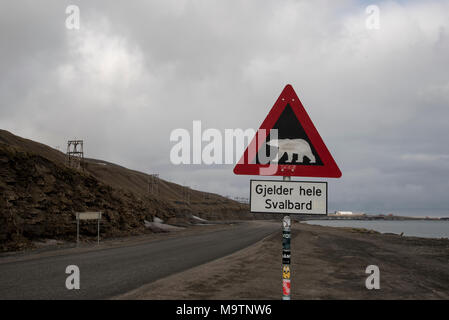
<point>346,214</point>
<point>343,213</point>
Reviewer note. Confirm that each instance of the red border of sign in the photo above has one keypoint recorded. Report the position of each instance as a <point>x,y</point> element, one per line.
<point>329,168</point>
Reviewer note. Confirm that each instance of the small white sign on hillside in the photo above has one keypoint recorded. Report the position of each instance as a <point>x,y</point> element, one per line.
<point>88,215</point>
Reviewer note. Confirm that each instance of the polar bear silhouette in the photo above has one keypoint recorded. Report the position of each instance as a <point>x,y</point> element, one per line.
<point>291,147</point>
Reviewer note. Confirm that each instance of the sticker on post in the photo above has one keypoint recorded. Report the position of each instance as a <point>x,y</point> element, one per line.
<point>285,256</point>
<point>286,287</point>
<point>286,272</point>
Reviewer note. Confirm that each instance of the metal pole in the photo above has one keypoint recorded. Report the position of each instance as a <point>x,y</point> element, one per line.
<point>98,229</point>
<point>77,229</point>
<point>286,254</point>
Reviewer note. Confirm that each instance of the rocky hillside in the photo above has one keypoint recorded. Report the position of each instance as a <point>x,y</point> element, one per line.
<point>40,195</point>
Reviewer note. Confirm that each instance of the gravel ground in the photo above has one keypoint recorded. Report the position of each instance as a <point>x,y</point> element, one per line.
<point>327,263</point>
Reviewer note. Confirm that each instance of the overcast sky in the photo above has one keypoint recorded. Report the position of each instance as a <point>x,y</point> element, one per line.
<point>136,70</point>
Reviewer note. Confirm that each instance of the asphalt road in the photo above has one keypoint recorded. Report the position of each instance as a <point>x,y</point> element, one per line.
<point>105,273</point>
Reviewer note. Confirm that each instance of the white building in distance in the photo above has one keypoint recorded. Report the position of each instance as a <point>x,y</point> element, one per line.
<point>344,213</point>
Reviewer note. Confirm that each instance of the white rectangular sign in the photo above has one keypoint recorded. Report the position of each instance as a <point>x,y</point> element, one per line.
<point>88,215</point>
<point>288,197</point>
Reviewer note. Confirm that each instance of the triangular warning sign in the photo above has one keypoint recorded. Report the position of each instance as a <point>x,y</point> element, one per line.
<point>287,144</point>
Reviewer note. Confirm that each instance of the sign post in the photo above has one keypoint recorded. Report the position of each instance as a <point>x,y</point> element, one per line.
<point>286,254</point>
<point>288,144</point>
<point>87,216</point>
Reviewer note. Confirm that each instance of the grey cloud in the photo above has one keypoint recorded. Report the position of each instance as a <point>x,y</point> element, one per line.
<point>136,71</point>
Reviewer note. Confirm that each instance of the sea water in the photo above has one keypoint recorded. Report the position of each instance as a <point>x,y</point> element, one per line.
<point>416,228</point>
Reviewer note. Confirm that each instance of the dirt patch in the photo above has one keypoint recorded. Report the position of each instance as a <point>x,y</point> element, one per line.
<point>327,263</point>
